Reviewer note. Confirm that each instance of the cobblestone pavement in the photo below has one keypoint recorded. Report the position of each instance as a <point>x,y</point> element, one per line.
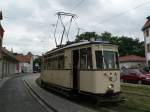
<point>14,97</point>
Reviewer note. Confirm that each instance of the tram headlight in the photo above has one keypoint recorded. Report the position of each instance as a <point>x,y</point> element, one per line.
<point>111,87</point>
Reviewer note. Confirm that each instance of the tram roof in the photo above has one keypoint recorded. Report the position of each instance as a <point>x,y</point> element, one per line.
<point>77,44</point>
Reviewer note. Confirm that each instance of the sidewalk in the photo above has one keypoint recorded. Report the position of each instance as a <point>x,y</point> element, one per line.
<point>3,80</point>
<point>58,103</point>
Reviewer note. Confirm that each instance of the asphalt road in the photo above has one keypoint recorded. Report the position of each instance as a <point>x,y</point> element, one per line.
<point>14,97</point>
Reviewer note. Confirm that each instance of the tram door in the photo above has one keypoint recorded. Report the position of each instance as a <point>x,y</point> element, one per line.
<point>75,70</point>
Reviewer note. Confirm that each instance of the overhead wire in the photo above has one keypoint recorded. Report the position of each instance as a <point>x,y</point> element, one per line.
<point>77,5</point>
<point>120,14</point>
<point>124,12</point>
<point>74,7</point>
<point>105,20</point>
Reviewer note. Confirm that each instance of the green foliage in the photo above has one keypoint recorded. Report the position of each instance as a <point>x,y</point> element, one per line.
<point>127,45</point>
<point>86,36</point>
<point>37,64</point>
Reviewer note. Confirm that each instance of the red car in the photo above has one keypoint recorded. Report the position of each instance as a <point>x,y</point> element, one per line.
<point>135,76</point>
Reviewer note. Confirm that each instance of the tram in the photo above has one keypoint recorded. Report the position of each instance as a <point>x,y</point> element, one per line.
<point>86,67</point>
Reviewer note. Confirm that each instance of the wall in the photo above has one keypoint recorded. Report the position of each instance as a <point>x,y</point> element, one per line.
<point>146,41</point>
<point>26,67</point>
<point>7,68</point>
<point>0,68</point>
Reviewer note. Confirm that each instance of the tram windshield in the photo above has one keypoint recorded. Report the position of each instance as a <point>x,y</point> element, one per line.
<point>107,60</point>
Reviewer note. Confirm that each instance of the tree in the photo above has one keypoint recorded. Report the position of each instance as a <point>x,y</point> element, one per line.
<point>126,45</point>
<point>86,36</point>
<point>37,64</point>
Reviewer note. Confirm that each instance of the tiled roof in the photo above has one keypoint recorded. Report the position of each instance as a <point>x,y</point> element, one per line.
<point>147,23</point>
<point>9,54</point>
<point>23,58</point>
<point>131,58</point>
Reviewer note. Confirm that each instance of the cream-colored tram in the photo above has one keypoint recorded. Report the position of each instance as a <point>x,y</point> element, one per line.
<point>88,67</point>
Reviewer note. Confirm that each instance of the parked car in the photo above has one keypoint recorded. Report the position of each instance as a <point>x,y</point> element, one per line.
<point>146,68</point>
<point>135,76</point>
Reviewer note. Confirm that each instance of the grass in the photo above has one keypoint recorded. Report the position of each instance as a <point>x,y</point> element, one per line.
<point>135,102</point>
<point>143,89</point>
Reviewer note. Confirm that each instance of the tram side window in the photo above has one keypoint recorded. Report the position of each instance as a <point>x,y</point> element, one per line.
<point>85,58</point>
<point>52,63</point>
<point>55,64</point>
<point>45,67</point>
<point>89,58</point>
<point>49,63</point>
<point>45,64</point>
<point>60,62</point>
<point>99,59</point>
<point>117,60</point>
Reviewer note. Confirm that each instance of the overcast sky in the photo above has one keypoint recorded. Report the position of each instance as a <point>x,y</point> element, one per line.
<point>28,23</point>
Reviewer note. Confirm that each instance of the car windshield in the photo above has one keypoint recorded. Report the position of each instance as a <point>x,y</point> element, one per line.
<point>131,71</point>
<point>144,71</point>
<point>136,71</point>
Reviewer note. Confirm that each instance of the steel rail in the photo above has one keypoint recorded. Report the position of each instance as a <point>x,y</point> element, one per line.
<point>39,98</point>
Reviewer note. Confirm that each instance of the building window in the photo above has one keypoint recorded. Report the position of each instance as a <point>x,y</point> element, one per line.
<point>149,63</point>
<point>0,43</point>
<point>148,47</point>
<point>147,32</point>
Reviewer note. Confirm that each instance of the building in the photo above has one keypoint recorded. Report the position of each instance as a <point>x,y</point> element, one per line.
<point>28,63</point>
<point>146,32</point>
<point>25,63</point>
<point>36,63</point>
<point>132,61</point>
<point>8,62</point>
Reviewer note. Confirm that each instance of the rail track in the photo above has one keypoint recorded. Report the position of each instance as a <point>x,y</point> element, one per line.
<point>87,105</point>
<point>48,107</point>
<point>83,103</point>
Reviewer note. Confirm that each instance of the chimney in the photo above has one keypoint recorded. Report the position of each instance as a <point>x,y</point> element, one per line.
<point>148,18</point>
<point>1,30</point>
<point>1,16</point>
